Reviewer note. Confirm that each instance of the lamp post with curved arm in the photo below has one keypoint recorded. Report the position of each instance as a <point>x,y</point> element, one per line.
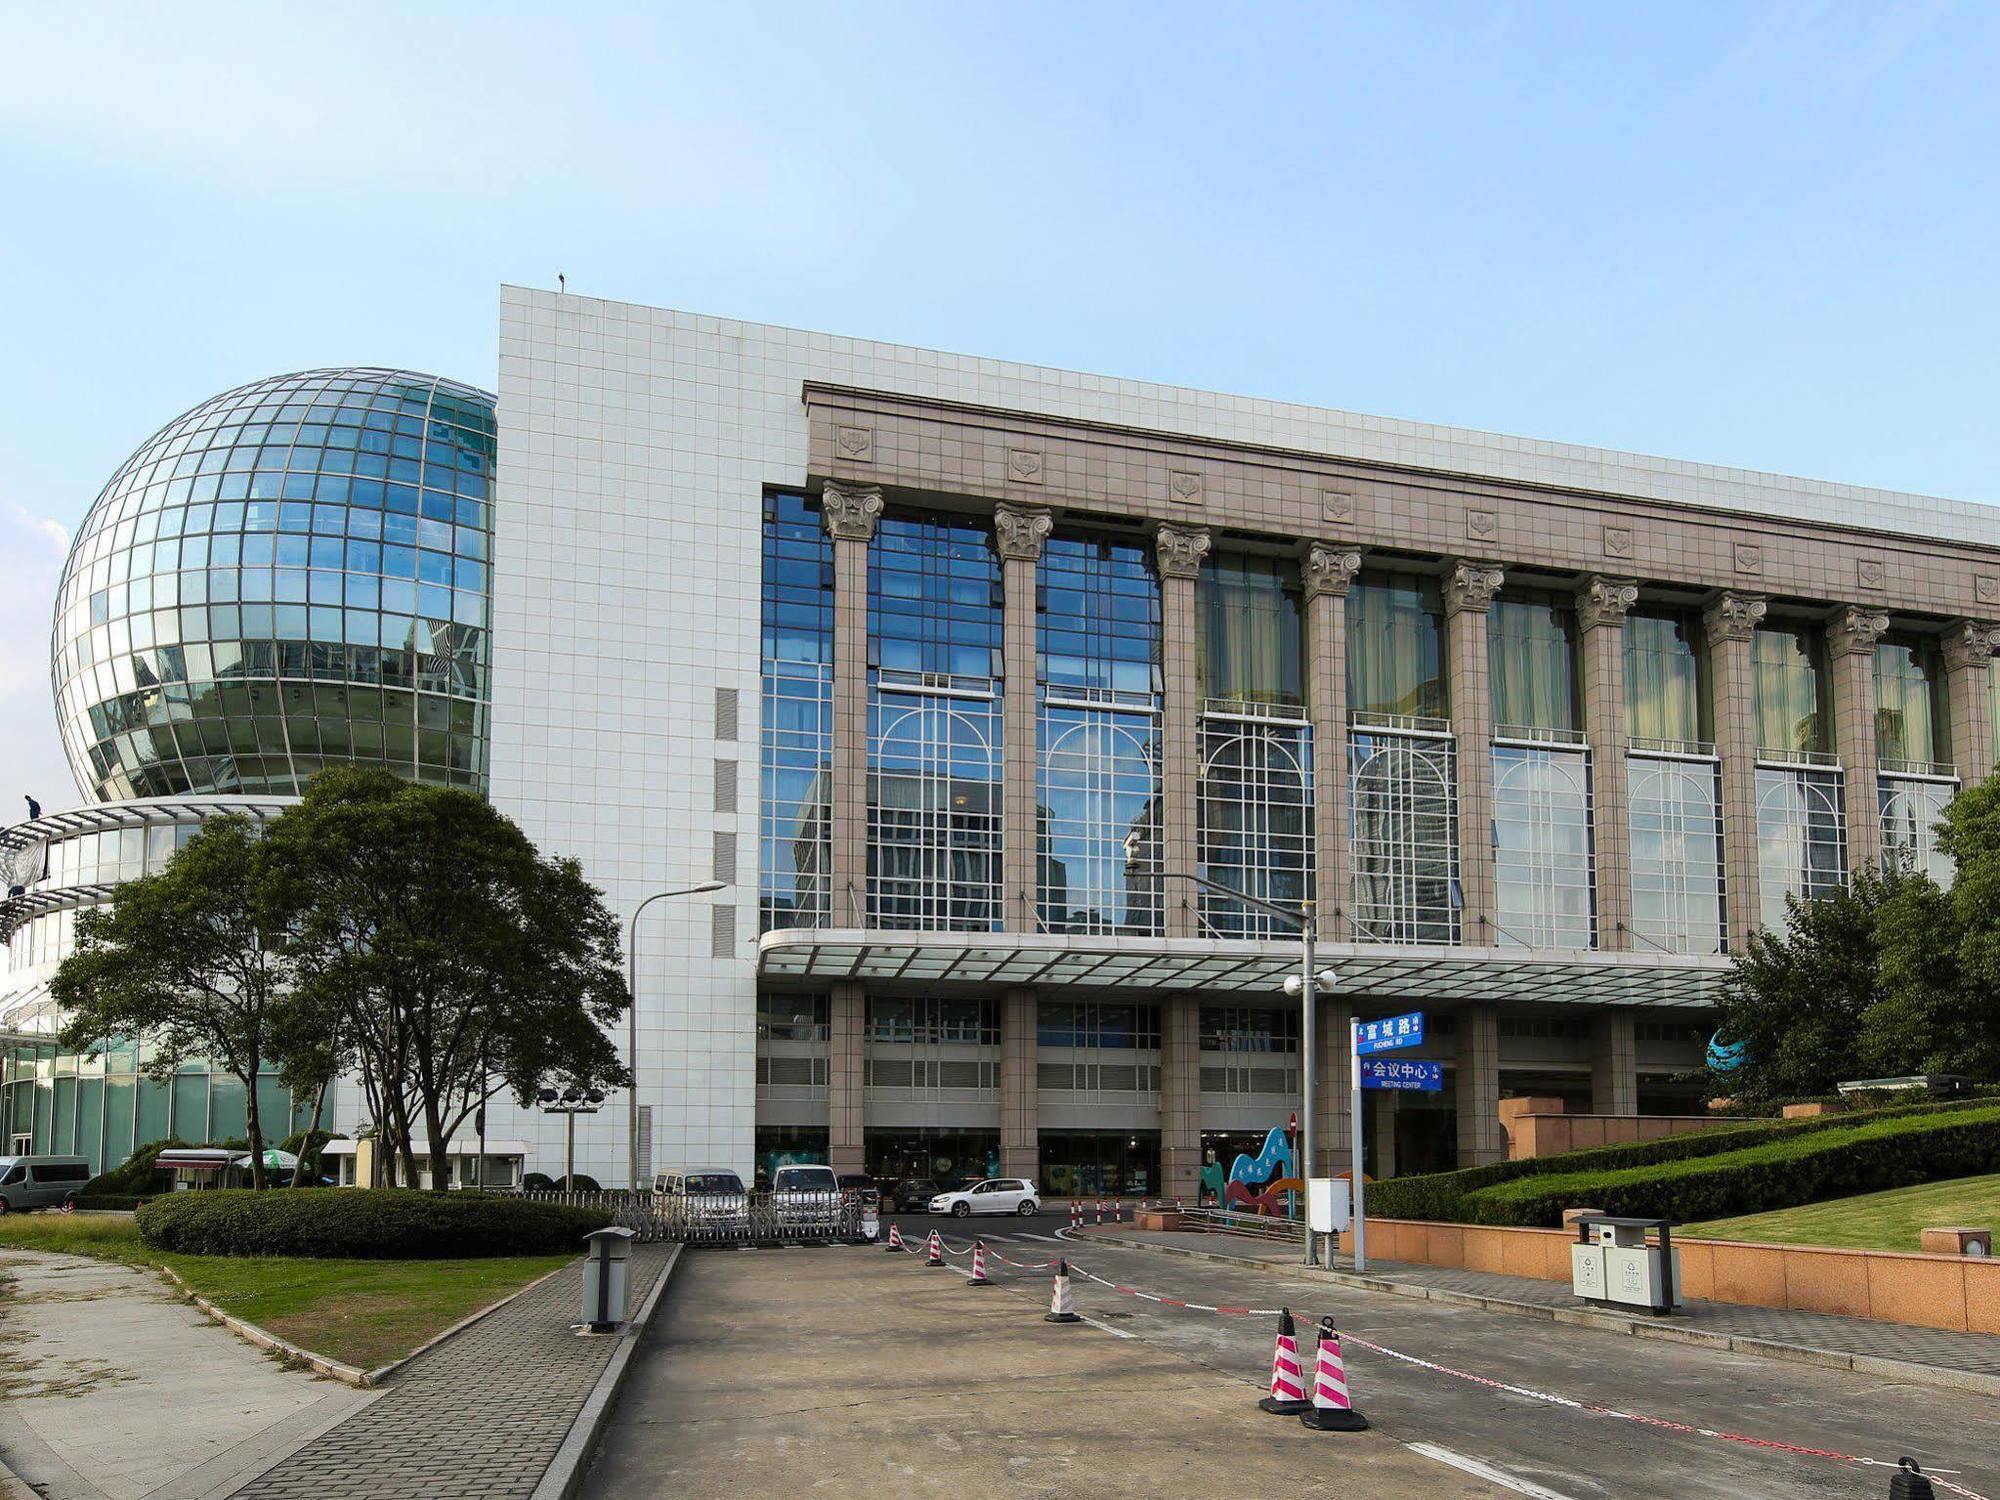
<point>632,1017</point>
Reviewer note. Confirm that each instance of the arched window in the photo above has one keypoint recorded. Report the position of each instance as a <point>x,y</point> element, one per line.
<point>1256,822</point>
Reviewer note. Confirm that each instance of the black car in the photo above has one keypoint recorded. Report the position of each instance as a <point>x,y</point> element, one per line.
<point>862,1186</point>
<point>914,1194</point>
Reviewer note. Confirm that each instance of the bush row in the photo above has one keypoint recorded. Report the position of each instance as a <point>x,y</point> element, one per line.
<point>355,1224</point>
<point>1806,1167</point>
<point>1440,1196</point>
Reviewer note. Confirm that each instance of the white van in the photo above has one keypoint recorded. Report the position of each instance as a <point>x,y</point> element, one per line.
<point>40,1181</point>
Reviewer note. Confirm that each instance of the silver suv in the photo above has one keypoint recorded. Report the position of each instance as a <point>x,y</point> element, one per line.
<point>40,1181</point>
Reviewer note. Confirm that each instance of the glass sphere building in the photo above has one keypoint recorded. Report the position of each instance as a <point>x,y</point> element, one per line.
<point>292,574</point>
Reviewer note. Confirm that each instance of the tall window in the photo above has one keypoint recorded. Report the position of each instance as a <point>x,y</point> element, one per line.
<point>1531,655</point>
<point>796,745</point>
<point>1909,702</point>
<point>934,648</point>
<point>1801,837</point>
<point>1677,852</point>
<point>1395,632</point>
<point>1256,746</point>
<point>1403,822</point>
<point>1794,704</point>
<point>1666,702</point>
<point>1098,619</point>
<point>1541,847</point>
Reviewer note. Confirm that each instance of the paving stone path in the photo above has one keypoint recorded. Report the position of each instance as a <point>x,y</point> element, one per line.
<point>1869,1337</point>
<point>477,1418</point>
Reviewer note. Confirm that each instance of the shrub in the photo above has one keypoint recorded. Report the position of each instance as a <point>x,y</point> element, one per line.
<point>307,1146</point>
<point>362,1224</point>
<point>1441,1196</point>
<point>1804,1167</point>
<point>135,1179</point>
<point>537,1182</point>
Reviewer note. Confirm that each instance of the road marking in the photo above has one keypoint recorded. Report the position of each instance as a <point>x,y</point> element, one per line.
<point>1486,1471</point>
<point>1047,1239</point>
<point>1120,1333</point>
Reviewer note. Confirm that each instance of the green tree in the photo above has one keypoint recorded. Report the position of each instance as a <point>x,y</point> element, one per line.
<point>1940,1009</point>
<point>457,959</point>
<point>194,960</point>
<point>1797,999</point>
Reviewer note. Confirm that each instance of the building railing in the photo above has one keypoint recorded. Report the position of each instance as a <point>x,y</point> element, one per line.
<point>1262,713</point>
<point>1770,756</point>
<point>1538,734</point>
<point>1362,721</point>
<point>1644,744</point>
<point>1919,770</point>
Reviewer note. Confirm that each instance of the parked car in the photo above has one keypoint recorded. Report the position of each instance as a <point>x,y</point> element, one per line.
<point>914,1194</point>
<point>40,1181</point>
<point>807,1197</point>
<point>996,1195</point>
<point>713,1200</point>
<point>861,1186</point>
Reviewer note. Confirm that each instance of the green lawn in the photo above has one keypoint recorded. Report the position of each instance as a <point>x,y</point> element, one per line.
<point>1872,1221</point>
<point>362,1312</point>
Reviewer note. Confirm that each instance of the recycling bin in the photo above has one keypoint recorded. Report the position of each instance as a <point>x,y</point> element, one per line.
<point>606,1276</point>
<point>1612,1264</point>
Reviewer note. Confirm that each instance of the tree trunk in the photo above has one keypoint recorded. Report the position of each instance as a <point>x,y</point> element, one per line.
<point>440,1147</point>
<point>254,1120</point>
<point>312,1129</point>
<point>406,1144</point>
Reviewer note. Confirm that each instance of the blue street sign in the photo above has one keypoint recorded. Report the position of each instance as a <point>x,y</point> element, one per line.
<point>1386,1036</point>
<point>1423,1077</point>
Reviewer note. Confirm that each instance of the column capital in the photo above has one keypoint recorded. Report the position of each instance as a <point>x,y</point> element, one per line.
<point>1853,630</point>
<point>1470,586</point>
<point>1970,643</point>
<point>1020,530</point>
<point>851,511</point>
<point>1733,617</point>
<point>1605,601</point>
<point>1328,569</point>
<point>1178,550</point>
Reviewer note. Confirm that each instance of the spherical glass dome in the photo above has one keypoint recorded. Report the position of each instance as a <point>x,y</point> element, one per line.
<point>292,575</point>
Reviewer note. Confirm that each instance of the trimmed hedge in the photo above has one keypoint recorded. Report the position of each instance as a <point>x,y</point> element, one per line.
<point>1869,1156</point>
<point>1441,1197</point>
<point>362,1224</point>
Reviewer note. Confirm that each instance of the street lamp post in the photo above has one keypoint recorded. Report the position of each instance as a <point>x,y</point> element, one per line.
<point>632,1018</point>
<point>1303,986</point>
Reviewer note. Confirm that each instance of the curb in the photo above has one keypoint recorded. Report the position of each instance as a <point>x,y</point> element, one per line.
<point>12,1485</point>
<point>565,1470</point>
<point>382,1372</point>
<point>243,1328</point>
<point>1605,1322</point>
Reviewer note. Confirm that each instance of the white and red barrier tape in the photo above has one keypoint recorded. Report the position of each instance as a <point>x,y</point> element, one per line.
<point>1551,1398</point>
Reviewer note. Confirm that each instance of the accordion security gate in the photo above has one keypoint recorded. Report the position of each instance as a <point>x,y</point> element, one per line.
<point>725,1218</point>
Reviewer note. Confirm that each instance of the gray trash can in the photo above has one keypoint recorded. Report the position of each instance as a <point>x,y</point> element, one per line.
<point>606,1276</point>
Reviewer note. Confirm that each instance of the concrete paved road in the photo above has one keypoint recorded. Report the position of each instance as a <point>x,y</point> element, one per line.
<point>892,1354</point>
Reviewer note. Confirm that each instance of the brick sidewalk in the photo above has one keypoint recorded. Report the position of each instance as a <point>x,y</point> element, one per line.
<point>1869,1338</point>
<point>477,1418</point>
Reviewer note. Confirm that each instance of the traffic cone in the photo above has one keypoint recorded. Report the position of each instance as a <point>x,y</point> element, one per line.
<point>1288,1390</point>
<point>896,1239</point>
<point>1075,1215</point>
<point>1331,1410</point>
<point>1100,1213</point>
<point>1062,1305</point>
<point>936,1250</point>
<point>978,1276</point>
<point>1908,1482</point>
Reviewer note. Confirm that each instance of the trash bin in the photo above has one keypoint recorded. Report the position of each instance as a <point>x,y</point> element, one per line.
<point>605,1276</point>
<point>1613,1265</point>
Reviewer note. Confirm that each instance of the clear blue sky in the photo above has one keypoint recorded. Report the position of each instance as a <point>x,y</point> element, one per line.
<point>1752,234</point>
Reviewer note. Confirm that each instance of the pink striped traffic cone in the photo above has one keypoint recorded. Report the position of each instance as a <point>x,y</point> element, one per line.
<point>1100,1212</point>
<point>935,1250</point>
<point>1288,1386</point>
<point>1075,1215</point>
<point>978,1276</point>
<point>1062,1302</point>
<point>896,1238</point>
<point>1331,1411</point>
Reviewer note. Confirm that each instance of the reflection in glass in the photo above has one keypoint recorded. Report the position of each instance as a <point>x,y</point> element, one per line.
<point>1395,630</point>
<point>1676,819</point>
<point>1255,831</point>
<point>1541,848</point>
<point>1665,695</point>
<point>796,751</point>
<point>1911,811</point>
<point>1909,701</point>
<point>1801,837</point>
<point>1794,707</point>
<point>1403,833</point>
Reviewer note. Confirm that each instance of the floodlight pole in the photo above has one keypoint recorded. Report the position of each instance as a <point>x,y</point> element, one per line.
<point>1303,920</point>
<point>632,1025</point>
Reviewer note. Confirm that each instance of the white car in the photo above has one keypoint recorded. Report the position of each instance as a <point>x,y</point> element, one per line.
<point>996,1195</point>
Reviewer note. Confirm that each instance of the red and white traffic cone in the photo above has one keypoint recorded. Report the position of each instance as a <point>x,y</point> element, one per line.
<point>896,1239</point>
<point>1288,1386</point>
<point>1075,1214</point>
<point>978,1276</point>
<point>935,1250</point>
<point>1332,1411</point>
<point>1062,1304</point>
<point>1100,1213</point>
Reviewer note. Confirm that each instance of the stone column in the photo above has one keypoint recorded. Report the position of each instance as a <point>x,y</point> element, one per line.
<point>1851,635</point>
<point>1614,1064</point>
<point>1178,554</point>
<point>1601,607</point>
<point>850,515</point>
<point>1333,1123</point>
<point>1481,1138</point>
<point>1469,588</point>
<point>1381,1129</point>
<point>1020,531</point>
<point>1728,623</point>
<point>1020,1141</point>
<point>1969,647</point>
<point>1180,1095</point>
<point>1326,573</point>
<point>846,1077</point>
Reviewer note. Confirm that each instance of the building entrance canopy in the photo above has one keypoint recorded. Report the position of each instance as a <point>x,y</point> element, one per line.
<point>1368,971</point>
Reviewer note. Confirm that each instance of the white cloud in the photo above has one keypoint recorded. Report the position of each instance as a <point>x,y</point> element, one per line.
<point>32,549</point>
